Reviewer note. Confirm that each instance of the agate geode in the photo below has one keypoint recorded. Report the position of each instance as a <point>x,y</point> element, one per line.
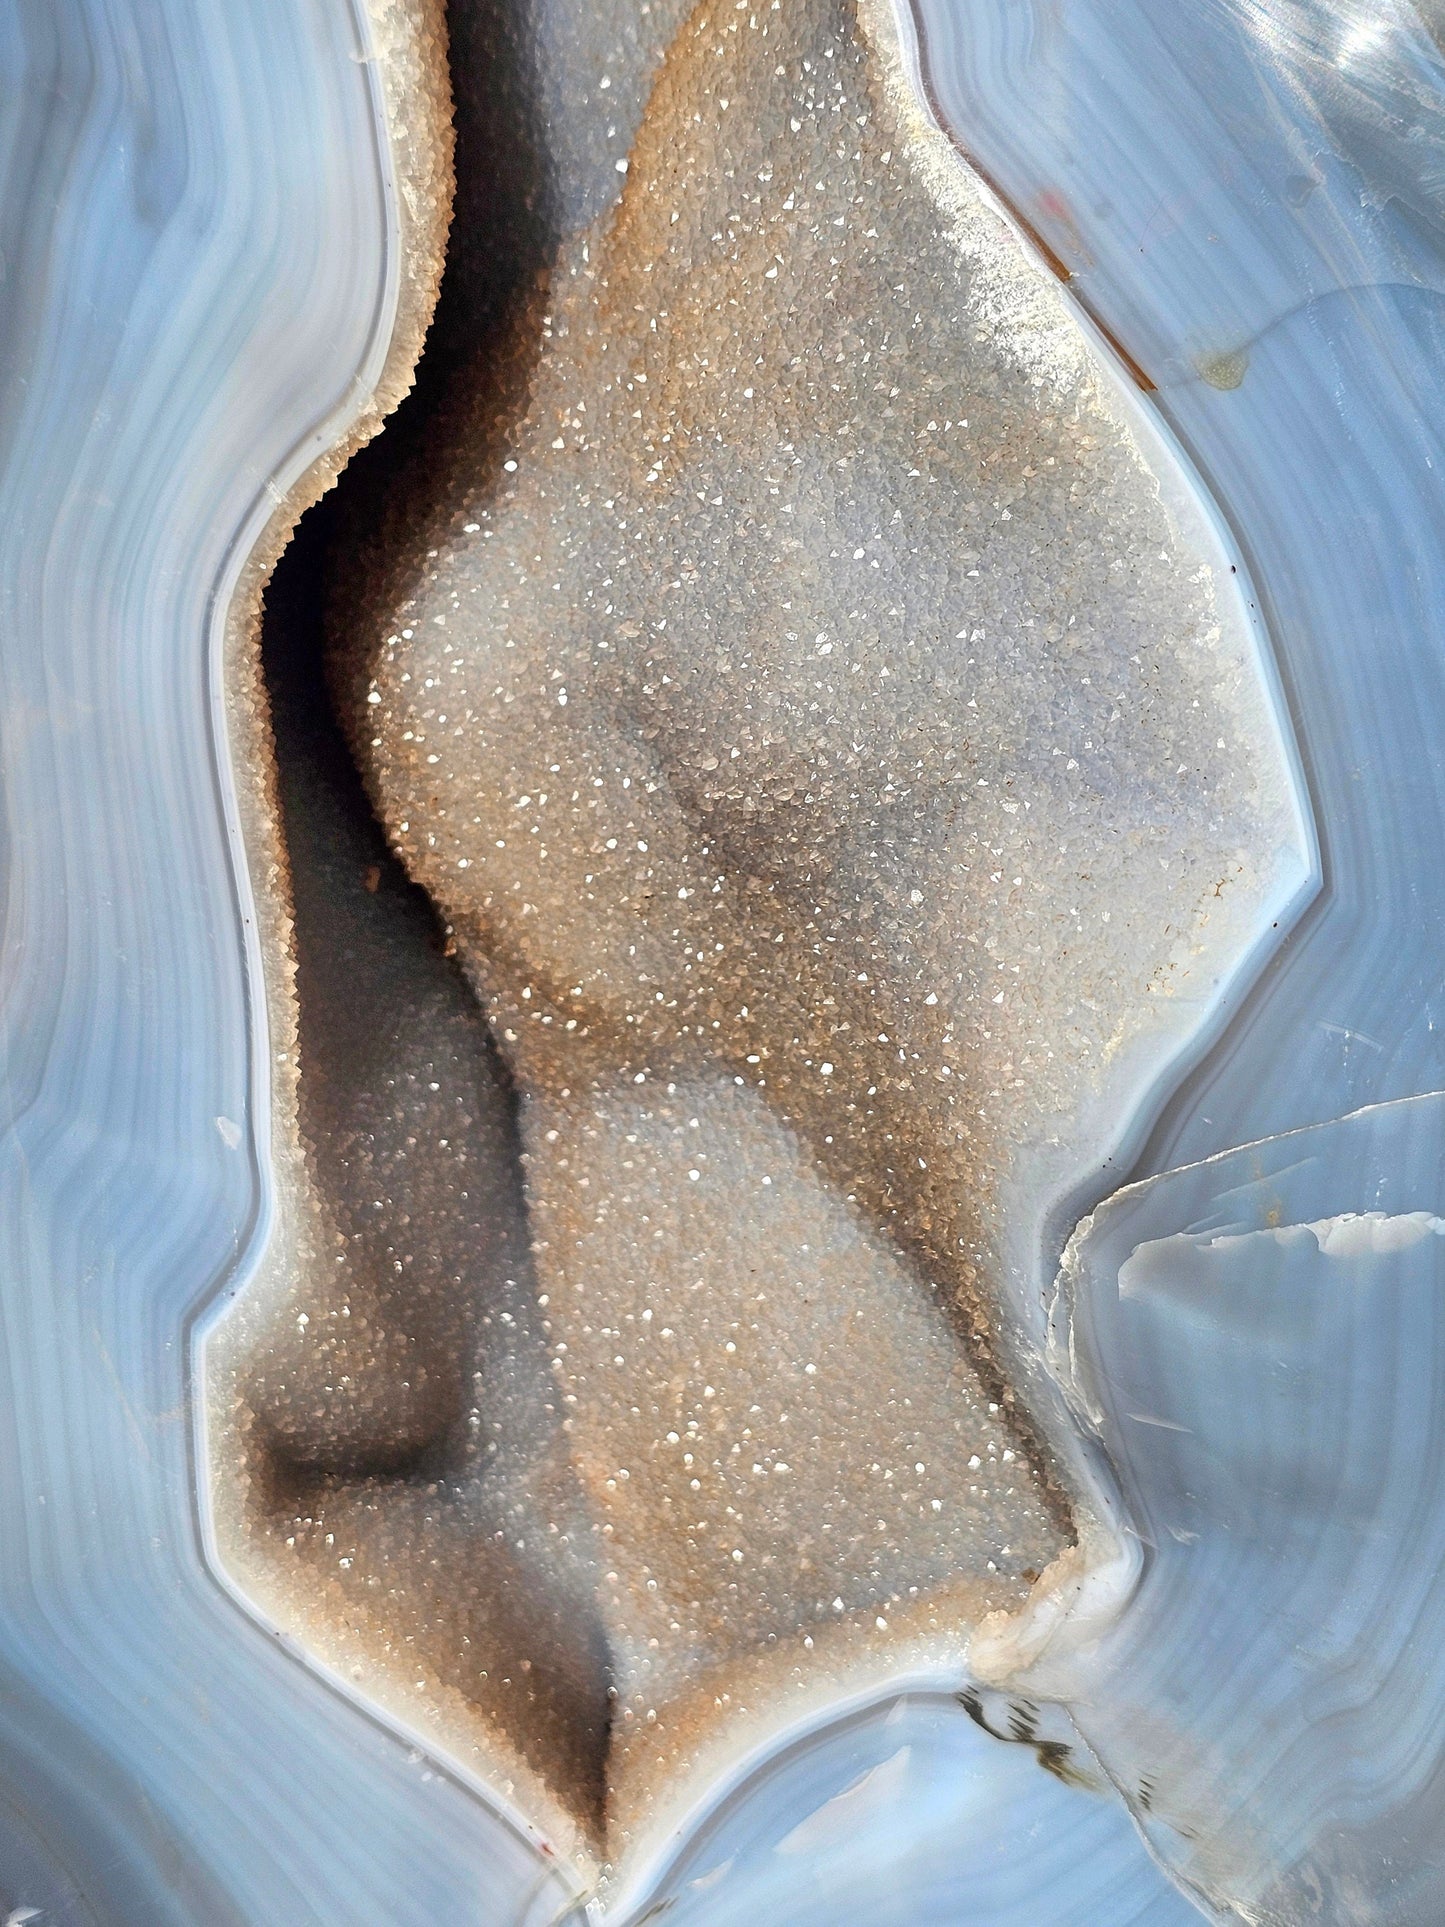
<point>850,779</point>
<point>771,1046</point>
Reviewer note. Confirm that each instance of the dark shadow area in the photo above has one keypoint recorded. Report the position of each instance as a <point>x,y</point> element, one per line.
<point>410,1473</point>
<point>395,1058</point>
<point>471,379</point>
<point>547,97</point>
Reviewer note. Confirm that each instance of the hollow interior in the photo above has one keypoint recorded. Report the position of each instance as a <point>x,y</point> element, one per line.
<point>410,1475</point>
<point>644,1369</point>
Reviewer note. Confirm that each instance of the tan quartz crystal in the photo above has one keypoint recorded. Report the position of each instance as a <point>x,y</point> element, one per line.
<point>828,758</point>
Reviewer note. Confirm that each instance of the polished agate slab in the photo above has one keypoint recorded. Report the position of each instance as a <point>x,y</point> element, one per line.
<point>333,1578</point>
<point>201,286</point>
<point>1274,268</point>
<point>846,812</point>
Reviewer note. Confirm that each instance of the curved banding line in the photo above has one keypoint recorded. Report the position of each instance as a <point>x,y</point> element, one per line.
<point>1290,312</point>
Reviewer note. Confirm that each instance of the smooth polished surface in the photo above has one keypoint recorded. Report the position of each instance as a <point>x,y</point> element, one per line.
<point>196,230</point>
<point>1258,1343</point>
<point>911,1813</point>
<point>1250,205</point>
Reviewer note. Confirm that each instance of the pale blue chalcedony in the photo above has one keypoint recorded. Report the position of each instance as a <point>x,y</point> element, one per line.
<point>199,257</point>
<point>902,1813</point>
<point>1258,1343</point>
<point>1251,203</point>
<point>198,283</point>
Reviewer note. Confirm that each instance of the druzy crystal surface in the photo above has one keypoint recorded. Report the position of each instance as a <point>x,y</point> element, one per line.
<point>720,1128</point>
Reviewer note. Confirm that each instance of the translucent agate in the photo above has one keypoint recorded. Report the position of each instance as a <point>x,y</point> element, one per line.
<point>224,230</point>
